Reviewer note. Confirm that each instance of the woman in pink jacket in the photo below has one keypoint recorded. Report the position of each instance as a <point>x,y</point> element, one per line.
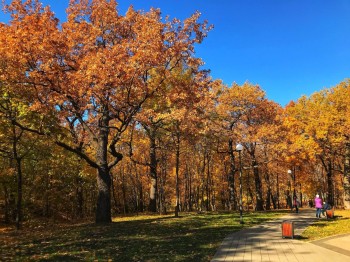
<point>318,205</point>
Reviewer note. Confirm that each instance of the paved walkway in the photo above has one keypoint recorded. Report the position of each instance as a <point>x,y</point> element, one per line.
<point>265,243</point>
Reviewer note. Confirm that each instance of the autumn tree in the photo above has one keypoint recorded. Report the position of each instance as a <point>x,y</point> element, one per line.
<point>94,71</point>
<point>164,112</point>
<point>340,99</point>
<point>319,131</point>
<point>229,112</point>
<point>16,142</point>
<point>186,111</point>
<point>254,119</point>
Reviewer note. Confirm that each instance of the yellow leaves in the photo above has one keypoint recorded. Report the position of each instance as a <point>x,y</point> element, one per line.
<point>239,98</point>
<point>316,124</point>
<point>246,106</point>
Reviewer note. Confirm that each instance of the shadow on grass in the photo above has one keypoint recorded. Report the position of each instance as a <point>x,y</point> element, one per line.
<point>186,238</point>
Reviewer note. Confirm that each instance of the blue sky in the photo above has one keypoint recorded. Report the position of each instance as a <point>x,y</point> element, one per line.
<point>288,47</point>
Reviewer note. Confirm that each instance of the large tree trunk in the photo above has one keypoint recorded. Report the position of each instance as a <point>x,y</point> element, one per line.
<point>103,210</point>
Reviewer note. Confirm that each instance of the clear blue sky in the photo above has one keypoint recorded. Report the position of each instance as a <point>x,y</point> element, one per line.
<point>289,47</point>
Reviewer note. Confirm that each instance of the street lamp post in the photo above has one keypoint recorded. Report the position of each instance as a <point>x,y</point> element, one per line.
<point>239,148</point>
<point>290,172</point>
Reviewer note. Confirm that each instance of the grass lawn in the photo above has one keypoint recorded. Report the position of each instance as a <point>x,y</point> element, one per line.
<point>191,237</point>
<point>325,228</point>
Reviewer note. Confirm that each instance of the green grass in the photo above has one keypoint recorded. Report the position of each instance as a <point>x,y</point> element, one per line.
<point>325,228</point>
<point>191,237</point>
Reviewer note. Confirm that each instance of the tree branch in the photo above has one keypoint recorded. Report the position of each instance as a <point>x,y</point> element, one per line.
<point>14,122</point>
<point>118,158</point>
<point>78,152</point>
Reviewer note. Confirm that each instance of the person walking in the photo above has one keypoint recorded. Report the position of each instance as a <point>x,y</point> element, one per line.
<point>318,205</point>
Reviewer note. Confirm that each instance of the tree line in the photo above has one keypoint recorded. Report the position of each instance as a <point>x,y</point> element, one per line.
<point>107,113</point>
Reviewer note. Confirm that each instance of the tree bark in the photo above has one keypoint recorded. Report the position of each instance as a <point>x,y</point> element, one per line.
<point>103,209</point>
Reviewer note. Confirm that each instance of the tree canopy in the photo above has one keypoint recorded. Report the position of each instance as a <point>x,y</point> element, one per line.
<point>127,95</point>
